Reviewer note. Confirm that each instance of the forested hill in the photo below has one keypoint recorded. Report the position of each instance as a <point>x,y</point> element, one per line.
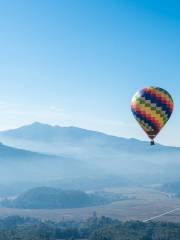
<point>53,198</point>
<point>47,198</point>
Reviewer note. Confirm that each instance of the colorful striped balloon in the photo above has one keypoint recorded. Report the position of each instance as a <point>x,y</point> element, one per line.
<point>152,108</point>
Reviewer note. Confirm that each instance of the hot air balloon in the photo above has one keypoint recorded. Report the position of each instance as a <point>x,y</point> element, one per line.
<point>152,108</point>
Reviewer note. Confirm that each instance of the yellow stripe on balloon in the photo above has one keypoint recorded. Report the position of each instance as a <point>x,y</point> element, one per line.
<point>152,113</point>
<point>149,104</point>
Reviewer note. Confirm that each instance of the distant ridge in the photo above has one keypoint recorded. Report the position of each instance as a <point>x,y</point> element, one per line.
<point>130,158</point>
<point>27,131</point>
<point>42,132</point>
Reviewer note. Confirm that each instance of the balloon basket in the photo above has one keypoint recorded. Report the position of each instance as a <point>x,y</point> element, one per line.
<point>152,143</point>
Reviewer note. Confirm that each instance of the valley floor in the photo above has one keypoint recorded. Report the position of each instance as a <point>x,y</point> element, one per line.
<point>147,203</point>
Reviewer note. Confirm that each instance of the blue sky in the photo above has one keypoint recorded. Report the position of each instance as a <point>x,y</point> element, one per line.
<point>78,62</point>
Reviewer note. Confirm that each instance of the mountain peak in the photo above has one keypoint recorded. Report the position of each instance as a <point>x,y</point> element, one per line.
<point>38,124</point>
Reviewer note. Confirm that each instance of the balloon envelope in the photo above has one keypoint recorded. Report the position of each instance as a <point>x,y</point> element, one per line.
<point>152,108</point>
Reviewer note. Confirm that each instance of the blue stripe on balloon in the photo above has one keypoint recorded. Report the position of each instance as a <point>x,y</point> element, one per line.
<point>158,103</point>
<point>142,118</point>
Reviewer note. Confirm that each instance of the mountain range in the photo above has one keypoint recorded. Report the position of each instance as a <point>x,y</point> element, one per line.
<point>42,151</point>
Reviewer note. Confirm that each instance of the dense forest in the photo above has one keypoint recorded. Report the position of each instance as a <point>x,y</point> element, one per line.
<point>103,228</point>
